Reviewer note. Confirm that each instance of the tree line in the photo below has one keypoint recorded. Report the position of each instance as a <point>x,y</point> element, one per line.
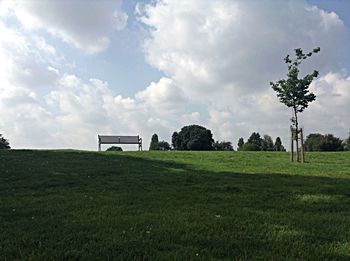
<point>196,137</point>
<point>258,143</point>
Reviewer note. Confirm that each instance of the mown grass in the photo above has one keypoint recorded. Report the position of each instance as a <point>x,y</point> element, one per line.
<point>173,206</point>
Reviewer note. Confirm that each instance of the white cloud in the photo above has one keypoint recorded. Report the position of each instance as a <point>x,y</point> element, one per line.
<point>163,95</point>
<point>85,24</point>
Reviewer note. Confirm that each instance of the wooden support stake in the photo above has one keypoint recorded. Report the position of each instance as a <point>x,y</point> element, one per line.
<point>291,145</point>
<point>302,146</point>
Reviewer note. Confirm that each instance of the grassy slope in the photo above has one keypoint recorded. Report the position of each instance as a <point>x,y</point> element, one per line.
<point>173,205</point>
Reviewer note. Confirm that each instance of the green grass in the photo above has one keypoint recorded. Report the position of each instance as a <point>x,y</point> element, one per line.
<point>173,206</point>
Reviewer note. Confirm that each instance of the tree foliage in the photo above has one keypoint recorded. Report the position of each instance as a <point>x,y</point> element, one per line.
<point>240,143</point>
<point>294,91</point>
<point>158,145</point>
<point>163,145</point>
<point>267,143</point>
<point>319,142</point>
<point>193,137</point>
<point>223,145</point>
<point>256,143</point>
<point>154,142</point>
<point>175,141</point>
<point>4,143</point>
<point>347,143</point>
<point>278,145</point>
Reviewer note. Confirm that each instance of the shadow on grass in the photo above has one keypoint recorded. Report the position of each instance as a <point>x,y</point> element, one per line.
<point>68,204</point>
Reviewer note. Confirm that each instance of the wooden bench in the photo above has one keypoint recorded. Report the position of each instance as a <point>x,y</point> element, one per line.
<point>110,139</point>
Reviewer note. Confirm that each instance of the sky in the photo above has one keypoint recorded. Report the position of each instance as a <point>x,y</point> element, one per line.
<point>73,69</point>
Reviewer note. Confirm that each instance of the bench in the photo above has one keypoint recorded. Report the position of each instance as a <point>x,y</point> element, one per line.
<point>110,139</point>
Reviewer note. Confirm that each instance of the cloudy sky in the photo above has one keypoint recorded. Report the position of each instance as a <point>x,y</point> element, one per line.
<point>73,69</point>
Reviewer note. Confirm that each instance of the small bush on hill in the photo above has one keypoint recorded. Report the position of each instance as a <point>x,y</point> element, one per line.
<point>4,143</point>
<point>114,148</point>
<point>163,145</point>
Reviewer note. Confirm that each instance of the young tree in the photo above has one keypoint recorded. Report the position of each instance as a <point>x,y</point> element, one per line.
<point>240,143</point>
<point>4,144</point>
<point>154,142</point>
<point>294,91</point>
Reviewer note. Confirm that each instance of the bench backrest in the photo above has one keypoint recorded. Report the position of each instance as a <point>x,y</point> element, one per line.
<point>108,139</point>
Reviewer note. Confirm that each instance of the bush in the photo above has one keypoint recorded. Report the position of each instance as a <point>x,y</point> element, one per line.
<point>250,147</point>
<point>163,145</point>
<point>114,148</point>
<point>4,143</point>
<point>193,137</point>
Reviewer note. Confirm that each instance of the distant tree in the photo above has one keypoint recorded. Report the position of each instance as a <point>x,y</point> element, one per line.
<point>193,137</point>
<point>4,143</point>
<point>267,143</point>
<point>254,139</point>
<point>163,145</point>
<point>294,91</point>
<point>313,142</point>
<point>240,143</point>
<point>154,142</point>
<point>319,142</point>
<point>114,148</point>
<point>254,143</point>
<point>175,141</point>
<point>347,143</point>
<point>224,145</point>
<point>278,145</point>
<point>331,143</point>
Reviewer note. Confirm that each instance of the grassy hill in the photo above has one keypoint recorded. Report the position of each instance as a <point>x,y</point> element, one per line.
<point>173,205</point>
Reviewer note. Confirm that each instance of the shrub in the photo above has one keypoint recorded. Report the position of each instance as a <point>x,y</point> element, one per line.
<point>4,143</point>
<point>114,148</point>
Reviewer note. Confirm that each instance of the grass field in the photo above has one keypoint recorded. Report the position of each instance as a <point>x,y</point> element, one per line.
<point>173,206</point>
